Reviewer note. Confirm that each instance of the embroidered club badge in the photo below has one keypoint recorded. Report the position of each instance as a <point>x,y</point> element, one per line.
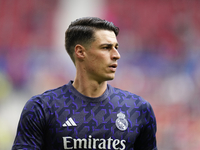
<point>121,122</point>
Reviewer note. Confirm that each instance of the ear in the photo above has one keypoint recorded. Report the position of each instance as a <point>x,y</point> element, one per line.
<point>79,51</point>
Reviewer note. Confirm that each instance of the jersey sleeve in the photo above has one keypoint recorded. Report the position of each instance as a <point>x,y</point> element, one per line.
<point>147,138</point>
<point>30,130</point>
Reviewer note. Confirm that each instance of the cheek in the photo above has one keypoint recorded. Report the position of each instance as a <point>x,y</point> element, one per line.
<point>91,66</point>
<point>94,58</point>
<point>97,61</point>
<point>95,66</point>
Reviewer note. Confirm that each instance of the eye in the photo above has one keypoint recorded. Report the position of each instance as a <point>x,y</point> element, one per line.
<point>106,47</point>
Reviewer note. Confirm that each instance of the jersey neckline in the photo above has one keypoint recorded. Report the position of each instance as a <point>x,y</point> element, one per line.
<point>103,97</point>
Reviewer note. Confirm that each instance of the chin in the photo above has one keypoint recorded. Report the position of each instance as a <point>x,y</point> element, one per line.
<point>110,78</point>
<point>107,77</point>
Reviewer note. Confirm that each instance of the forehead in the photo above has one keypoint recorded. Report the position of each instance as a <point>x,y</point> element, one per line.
<point>105,36</point>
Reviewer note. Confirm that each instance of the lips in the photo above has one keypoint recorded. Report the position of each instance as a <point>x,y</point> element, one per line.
<point>113,67</point>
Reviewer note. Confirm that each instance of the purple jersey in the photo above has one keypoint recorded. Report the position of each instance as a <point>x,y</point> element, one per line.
<point>63,118</point>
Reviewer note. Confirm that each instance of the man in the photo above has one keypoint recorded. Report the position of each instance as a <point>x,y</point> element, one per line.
<point>88,113</point>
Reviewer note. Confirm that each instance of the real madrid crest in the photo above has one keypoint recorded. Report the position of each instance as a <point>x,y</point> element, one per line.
<point>121,122</point>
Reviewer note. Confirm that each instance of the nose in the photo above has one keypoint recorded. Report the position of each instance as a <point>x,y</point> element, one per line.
<point>115,54</point>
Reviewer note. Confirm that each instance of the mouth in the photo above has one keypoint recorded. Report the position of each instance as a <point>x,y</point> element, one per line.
<point>113,67</point>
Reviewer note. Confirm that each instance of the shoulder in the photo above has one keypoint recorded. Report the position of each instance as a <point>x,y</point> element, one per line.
<point>118,91</point>
<point>52,93</point>
<point>133,100</point>
<point>126,95</point>
<point>44,99</point>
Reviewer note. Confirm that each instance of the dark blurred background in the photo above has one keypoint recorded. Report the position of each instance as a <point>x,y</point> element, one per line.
<point>160,59</point>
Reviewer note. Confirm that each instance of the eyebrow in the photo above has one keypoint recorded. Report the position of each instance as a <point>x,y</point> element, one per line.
<point>108,44</point>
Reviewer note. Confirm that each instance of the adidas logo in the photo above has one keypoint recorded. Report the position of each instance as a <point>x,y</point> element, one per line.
<point>70,122</point>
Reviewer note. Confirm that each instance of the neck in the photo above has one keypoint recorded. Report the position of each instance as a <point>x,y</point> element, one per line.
<point>89,88</point>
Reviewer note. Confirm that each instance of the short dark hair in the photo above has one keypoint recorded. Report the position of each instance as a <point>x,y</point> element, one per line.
<point>81,31</point>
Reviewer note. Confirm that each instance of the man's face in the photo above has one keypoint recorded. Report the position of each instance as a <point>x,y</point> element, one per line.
<point>101,56</point>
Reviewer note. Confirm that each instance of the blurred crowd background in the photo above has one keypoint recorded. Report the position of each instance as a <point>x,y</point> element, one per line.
<point>159,43</point>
